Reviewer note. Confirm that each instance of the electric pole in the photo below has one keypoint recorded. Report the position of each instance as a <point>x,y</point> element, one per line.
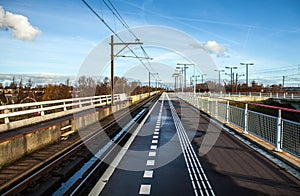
<point>112,56</point>
<point>283,80</point>
<point>231,76</point>
<point>247,64</point>
<point>219,75</point>
<point>185,66</point>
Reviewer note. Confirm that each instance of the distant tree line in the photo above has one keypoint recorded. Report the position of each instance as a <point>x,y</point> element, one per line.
<point>18,92</point>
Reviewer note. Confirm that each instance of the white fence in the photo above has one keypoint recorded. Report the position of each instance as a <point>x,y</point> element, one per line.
<point>283,134</point>
<point>16,111</point>
<point>25,114</point>
<point>283,95</point>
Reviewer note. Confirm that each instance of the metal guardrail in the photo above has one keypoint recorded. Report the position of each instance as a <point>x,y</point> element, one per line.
<point>25,114</point>
<point>253,94</point>
<point>283,134</point>
<point>9,112</point>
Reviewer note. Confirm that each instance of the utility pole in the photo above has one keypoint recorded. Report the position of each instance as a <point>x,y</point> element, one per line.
<point>180,79</point>
<point>236,80</point>
<point>202,78</point>
<point>219,75</point>
<point>150,80</point>
<point>195,84</point>
<point>247,64</point>
<point>112,69</point>
<point>231,76</point>
<point>196,78</point>
<point>184,69</point>
<point>112,56</point>
<point>149,83</point>
<point>175,75</point>
<point>283,79</point>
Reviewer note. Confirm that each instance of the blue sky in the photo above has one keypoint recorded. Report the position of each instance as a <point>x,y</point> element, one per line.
<point>265,32</point>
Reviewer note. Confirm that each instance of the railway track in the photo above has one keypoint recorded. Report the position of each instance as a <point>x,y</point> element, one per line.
<point>63,167</point>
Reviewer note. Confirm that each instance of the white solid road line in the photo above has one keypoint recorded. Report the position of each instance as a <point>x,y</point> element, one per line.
<point>193,165</point>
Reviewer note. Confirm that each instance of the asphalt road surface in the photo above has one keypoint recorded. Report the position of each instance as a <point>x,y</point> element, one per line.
<point>178,152</point>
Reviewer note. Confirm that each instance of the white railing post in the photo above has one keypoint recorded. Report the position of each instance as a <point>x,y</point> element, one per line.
<point>194,100</point>
<point>278,133</point>
<point>227,112</point>
<point>6,119</point>
<point>277,95</point>
<point>65,108</point>
<point>208,106</point>
<point>216,111</point>
<point>270,95</point>
<point>42,110</point>
<point>80,105</point>
<point>292,96</point>
<point>92,103</point>
<point>107,99</point>
<point>246,120</point>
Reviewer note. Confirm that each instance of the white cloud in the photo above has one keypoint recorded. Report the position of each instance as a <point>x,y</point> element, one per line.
<point>18,24</point>
<point>213,47</point>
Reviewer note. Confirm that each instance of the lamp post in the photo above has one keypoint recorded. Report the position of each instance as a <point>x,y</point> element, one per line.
<point>231,76</point>
<point>180,79</point>
<point>175,75</point>
<point>184,69</point>
<point>236,80</point>
<point>247,64</point>
<point>219,75</point>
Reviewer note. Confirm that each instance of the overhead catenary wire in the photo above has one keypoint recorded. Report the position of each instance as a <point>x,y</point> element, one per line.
<point>115,12</point>
<point>115,33</point>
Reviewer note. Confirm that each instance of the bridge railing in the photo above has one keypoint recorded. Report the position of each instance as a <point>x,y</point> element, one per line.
<point>25,114</point>
<point>282,95</point>
<point>15,112</point>
<point>269,123</point>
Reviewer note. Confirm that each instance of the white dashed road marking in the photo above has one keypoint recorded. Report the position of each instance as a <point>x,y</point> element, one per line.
<point>152,154</point>
<point>154,141</point>
<point>153,147</point>
<point>150,162</point>
<point>148,174</point>
<point>145,189</point>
